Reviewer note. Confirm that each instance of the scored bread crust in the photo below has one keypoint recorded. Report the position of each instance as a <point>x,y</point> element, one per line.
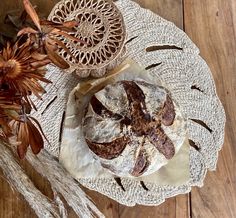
<point>133,127</point>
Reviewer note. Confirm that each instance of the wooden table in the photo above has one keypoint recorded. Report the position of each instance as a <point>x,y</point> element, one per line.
<point>211,24</point>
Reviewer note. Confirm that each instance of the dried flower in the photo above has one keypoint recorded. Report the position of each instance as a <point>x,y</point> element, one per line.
<point>45,37</point>
<point>21,70</point>
<point>27,135</point>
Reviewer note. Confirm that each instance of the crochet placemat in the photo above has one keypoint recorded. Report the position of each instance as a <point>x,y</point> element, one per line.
<point>166,51</point>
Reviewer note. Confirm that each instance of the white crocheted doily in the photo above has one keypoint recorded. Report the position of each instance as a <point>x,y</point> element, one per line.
<point>166,51</point>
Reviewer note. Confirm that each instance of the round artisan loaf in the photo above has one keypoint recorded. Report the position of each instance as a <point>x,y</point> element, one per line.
<point>133,127</point>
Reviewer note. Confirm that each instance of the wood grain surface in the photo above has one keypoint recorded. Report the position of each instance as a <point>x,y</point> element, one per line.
<point>211,24</point>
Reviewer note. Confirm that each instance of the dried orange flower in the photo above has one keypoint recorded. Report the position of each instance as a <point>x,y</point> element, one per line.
<point>21,71</point>
<point>45,37</point>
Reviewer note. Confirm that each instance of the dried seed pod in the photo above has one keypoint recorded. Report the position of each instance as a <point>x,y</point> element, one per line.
<point>133,127</point>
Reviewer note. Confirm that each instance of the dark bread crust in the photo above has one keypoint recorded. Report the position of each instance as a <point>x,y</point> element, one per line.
<point>162,142</point>
<point>144,125</point>
<point>168,113</point>
<point>141,124</point>
<point>140,165</point>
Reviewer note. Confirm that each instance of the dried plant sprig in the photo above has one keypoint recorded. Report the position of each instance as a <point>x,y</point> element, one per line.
<point>29,133</point>
<point>45,36</point>
<point>22,68</point>
<point>16,176</point>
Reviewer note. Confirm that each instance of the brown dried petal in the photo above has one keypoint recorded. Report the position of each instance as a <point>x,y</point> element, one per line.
<point>32,13</point>
<point>70,24</point>
<point>27,30</point>
<point>55,58</point>
<point>10,106</point>
<point>42,63</point>
<point>48,23</point>
<point>66,35</point>
<point>23,51</point>
<point>35,138</point>
<point>39,127</point>
<point>62,45</point>
<point>38,56</point>
<point>23,139</point>
<point>66,26</point>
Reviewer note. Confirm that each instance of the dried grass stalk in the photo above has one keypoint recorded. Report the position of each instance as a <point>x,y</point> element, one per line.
<point>62,183</point>
<point>60,180</point>
<point>20,181</point>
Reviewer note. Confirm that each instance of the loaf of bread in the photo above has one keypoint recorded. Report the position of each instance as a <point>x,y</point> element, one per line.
<point>133,127</point>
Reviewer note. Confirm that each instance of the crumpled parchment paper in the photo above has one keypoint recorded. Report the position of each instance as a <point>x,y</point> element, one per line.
<point>75,154</point>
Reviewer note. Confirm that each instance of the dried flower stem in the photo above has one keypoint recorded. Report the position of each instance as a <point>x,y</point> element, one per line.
<point>21,182</point>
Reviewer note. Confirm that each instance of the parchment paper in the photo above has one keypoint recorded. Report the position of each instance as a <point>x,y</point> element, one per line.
<point>75,154</point>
